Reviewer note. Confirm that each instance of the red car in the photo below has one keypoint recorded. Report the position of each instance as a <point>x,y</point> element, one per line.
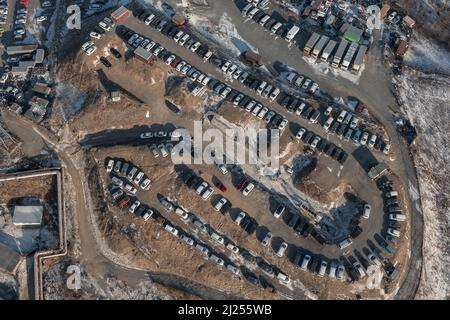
<point>175,62</point>
<point>242,183</point>
<point>221,186</point>
<point>125,201</point>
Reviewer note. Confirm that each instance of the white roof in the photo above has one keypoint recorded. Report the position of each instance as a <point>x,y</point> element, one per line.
<point>28,215</point>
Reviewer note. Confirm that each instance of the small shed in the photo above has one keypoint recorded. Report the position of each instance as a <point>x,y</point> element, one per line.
<point>409,22</point>
<point>143,55</point>
<point>384,11</point>
<point>402,48</point>
<point>120,15</point>
<point>28,216</point>
<point>179,20</point>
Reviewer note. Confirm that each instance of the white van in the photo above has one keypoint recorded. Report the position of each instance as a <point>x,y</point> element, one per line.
<point>323,268</point>
<point>392,194</point>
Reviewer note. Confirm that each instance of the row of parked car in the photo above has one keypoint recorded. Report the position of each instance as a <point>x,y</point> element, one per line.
<point>170,206</point>
<point>103,26</point>
<point>125,171</point>
<point>190,42</point>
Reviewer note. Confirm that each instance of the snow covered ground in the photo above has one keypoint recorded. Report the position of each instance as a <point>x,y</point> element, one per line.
<point>427,100</point>
<point>427,56</point>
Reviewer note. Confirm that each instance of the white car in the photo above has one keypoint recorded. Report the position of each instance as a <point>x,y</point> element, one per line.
<point>163,150</point>
<point>171,229</point>
<point>220,204</point>
<point>138,178</point>
<point>104,26</point>
<point>182,213</point>
<point>281,251</point>
<point>305,261</point>
<point>207,56</point>
<point>373,140</point>
<point>95,35</point>
<point>328,111</point>
<point>195,46</point>
<point>374,259</point>
<point>4,78</point>
<point>202,187</point>
<point>188,240</point>
<point>279,211</point>
<point>282,124</point>
<point>241,215</point>
<point>146,135</point>
<point>397,217</point>
<point>315,142</point>
<point>110,166</point>
<point>154,150</point>
<point>134,206</point>
<point>360,269</point>
<point>223,168</point>
<point>129,188</point>
<point>364,138</point>
<point>226,66</point>
<point>170,59</point>
<point>180,65</point>
<point>386,149</point>
<point>266,239</point>
<point>366,211</point>
<point>345,243</point>
<point>207,193</point>
<point>248,189</point>
<point>238,99</point>
<point>323,268</point>
<point>147,215</point>
<point>145,185</point>
<point>231,70</point>
<point>300,133</point>
<point>91,50</point>
<point>314,88</point>
<point>393,232</point>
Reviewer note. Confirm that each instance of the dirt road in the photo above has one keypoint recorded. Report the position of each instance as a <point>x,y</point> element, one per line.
<point>92,258</point>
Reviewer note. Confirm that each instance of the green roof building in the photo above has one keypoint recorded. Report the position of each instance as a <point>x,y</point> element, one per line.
<point>353,34</point>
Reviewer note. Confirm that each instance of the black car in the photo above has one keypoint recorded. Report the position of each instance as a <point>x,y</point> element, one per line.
<point>193,182</point>
<point>172,32</point>
<point>334,127</point>
<point>300,225</point>
<point>331,150</point>
<point>307,230</point>
<point>116,53</point>
<point>105,62</point>
<point>259,15</point>
<point>337,153</point>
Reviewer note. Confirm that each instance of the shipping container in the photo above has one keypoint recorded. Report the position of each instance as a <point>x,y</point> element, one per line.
<point>327,52</point>
<point>319,46</point>
<point>359,60</point>
<point>310,44</point>
<point>339,53</point>
<point>349,56</point>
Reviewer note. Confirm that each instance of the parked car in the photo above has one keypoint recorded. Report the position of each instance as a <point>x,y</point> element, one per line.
<point>366,211</point>
<point>281,251</point>
<point>266,239</point>
<point>218,206</point>
<point>279,211</point>
<point>248,188</point>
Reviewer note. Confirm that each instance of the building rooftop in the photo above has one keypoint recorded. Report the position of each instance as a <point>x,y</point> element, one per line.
<point>9,258</point>
<point>353,34</point>
<point>28,48</point>
<point>28,215</point>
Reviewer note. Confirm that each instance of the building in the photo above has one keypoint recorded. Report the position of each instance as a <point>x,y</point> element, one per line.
<point>28,48</point>
<point>378,170</point>
<point>353,34</point>
<point>42,88</point>
<point>115,96</point>
<point>39,56</point>
<point>120,15</point>
<point>409,22</point>
<point>384,11</point>
<point>28,216</point>
<point>9,258</point>
<point>252,58</point>
<point>143,55</point>
<point>37,110</point>
<point>20,72</point>
<point>402,48</point>
<point>15,108</point>
<point>179,20</point>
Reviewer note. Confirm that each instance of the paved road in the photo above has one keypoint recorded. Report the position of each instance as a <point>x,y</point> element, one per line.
<point>92,258</point>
